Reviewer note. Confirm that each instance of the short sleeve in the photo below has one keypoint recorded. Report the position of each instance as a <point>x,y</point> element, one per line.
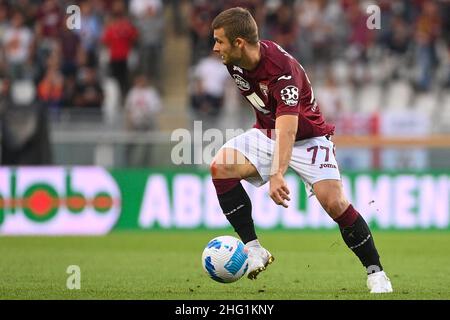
<point>286,92</point>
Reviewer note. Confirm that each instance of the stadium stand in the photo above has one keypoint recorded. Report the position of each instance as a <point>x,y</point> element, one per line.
<point>403,66</point>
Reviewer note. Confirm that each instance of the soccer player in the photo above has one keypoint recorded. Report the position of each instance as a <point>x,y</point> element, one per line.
<point>289,132</point>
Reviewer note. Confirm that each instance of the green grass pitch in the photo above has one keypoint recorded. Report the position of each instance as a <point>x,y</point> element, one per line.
<point>163,265</point>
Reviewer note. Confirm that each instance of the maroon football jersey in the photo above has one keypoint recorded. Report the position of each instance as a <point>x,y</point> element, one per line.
<point>277,86</point>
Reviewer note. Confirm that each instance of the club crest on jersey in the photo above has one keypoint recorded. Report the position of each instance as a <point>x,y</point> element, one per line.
<point>241,82</point>
<point>263,87</point>
<point>290,95</point>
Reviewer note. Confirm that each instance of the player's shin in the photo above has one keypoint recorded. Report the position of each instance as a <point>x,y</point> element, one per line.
<point>359,239</point>
<point>236,206</point>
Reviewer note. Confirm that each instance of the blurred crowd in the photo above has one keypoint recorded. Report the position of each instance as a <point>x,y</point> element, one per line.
<point>45,61</point>
<point>57,55</point>
<point>67,66</point>
<point>330,38</point>
<point>65,63</point>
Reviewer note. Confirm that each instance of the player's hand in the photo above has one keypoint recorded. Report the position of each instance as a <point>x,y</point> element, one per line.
<point>279,191</point>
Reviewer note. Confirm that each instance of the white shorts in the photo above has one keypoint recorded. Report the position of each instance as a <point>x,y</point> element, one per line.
<point>312,159</point>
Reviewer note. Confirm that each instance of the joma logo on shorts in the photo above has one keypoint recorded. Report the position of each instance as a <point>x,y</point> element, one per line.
<point>327,165</point>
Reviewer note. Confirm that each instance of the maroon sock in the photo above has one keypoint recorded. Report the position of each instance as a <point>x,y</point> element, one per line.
<point>347,218</point>
<point>225,185</point>
<point>236,206</point>
<point>357,236</point>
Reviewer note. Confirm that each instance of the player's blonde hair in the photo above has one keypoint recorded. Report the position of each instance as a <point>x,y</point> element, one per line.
<point>237,23</point>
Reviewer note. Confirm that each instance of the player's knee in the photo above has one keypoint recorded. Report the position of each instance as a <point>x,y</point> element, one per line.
<point>335,206</point>
<point>221,170</point>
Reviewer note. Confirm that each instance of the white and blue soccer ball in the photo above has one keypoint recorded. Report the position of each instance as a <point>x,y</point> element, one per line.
<point>224,259</point>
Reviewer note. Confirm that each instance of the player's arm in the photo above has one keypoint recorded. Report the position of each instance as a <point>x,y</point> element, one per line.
<point>285,133</point>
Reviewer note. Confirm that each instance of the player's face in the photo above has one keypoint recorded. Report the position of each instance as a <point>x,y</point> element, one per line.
<point>229,53</point>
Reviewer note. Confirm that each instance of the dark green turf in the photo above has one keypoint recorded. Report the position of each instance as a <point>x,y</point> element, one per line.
<point>167,265</point>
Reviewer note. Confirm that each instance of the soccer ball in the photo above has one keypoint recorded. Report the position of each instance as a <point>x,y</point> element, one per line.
<point>224,259</point>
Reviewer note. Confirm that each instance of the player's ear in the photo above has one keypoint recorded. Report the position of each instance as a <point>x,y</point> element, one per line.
<point>239,42</point>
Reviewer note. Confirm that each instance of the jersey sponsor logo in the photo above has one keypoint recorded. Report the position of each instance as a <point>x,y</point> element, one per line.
<point>290,95</point>
<point>264,88</point>
<point>236,68</point>
<point>241,82</point>
<point>285,78</point>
